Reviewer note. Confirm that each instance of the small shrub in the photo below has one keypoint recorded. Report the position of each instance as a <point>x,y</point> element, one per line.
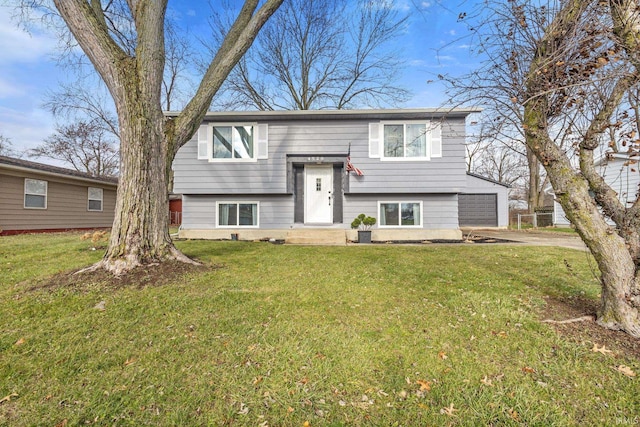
<point>363,222</point>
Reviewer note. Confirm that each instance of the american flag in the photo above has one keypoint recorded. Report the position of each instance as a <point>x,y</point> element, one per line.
<point>350,167</point>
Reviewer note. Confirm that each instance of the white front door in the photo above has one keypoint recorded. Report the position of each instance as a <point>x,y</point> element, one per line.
<point>318,194</point>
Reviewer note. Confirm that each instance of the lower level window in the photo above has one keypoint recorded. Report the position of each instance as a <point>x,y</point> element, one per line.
<point>237,214</point>
<point>400,214</point>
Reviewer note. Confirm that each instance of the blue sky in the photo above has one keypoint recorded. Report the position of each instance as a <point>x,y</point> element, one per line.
<point>433,43</point>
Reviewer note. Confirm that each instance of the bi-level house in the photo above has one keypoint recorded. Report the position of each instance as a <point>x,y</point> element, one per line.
<point>257,175</point>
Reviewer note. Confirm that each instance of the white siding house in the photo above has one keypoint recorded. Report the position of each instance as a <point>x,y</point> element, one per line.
<point>622,177</point>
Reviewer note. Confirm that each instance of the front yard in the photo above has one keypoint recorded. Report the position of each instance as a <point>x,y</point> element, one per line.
<point>273,335</point>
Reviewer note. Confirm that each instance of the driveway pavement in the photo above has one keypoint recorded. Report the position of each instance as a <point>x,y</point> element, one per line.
<point>532,237</point>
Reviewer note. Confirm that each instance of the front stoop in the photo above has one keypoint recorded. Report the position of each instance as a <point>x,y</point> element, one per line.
<point>316,236</point>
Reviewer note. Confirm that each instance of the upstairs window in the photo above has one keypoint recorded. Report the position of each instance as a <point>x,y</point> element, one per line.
<point>95,199</point>
<point>35,194</point>
<point>408,141</point>
<point>233,142</point>
<point>222,142</point>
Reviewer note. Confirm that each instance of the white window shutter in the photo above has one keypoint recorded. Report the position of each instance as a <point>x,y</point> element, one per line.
<point>262,137</point>
<point>436,139</point>
<point>203,142</point>
<point>375,129</point>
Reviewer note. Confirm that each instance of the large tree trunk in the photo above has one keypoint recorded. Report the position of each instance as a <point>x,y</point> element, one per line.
<point>620,302</point>
<point>148,141</point>
<point>533,197</point>
<point>140,230</point>
<point>620,297</point>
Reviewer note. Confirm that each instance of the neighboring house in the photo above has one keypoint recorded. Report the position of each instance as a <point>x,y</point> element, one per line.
<point>39,197</point>
<point>621,172</point>
<point>261,174</point>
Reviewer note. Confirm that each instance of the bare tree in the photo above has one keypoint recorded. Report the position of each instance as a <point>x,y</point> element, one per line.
<point>84,146</point>
<point>87,98</point>
<point>318,54</point>
<point>125,42</point>
<point>6,147</point>
<point>84,100</point>
<point>581,66</point>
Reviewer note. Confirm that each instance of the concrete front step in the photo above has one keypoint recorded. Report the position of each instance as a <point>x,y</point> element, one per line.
<point>316,236</point>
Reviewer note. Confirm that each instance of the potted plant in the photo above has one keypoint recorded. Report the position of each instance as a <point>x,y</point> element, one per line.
<point>363,223</point>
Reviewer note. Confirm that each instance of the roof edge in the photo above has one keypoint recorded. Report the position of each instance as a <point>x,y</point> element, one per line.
<point>12,163</point>
<point>484,178</point>
<point>338,114</point>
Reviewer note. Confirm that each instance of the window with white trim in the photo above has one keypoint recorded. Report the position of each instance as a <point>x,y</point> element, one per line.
<point>400,214</point>
<point>238,214</point>
<point>233,142</point>
<point>95,199</point>
<point>405,140</point>
<point>35,194</point>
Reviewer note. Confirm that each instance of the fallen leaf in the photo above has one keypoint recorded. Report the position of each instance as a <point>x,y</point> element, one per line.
<point>486,381</point>
<point>528,370</point>
<point>8,398</point>
<point>626,370</point>
<point>604,350</point>
<point>306,424</point>
<point>257,380</point>
<point>129,361</point>
<point>449,411</point>
<point>442,355</point>
<point>244,409</point>
<point>100,306</point>
<point>20,341</point>
<point>62,423</point>
<point>290,409</point>
<point>514,415</point>
<point>424,385</point>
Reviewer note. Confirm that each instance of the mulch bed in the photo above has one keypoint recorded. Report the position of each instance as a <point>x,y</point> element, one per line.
<point>159,274</point>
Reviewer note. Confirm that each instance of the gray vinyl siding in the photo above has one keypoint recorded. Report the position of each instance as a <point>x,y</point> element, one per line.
<point>439,211</point>
<point>199,211</point>
<point>67,205</point>
<point>316,139</point>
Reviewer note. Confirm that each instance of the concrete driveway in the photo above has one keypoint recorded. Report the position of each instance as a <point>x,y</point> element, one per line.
<point>531,237</point>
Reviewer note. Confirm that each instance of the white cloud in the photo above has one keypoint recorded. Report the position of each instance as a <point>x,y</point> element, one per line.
<point>10,89</point>
<point>18,126</point>
<point>425,4</point>
<point>191,12</point>
<point>452,32</point>
<point>18,46</point>
<point>417,63</point>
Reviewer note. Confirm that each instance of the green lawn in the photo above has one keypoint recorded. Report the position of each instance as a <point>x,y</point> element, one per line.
<point>283,336</point>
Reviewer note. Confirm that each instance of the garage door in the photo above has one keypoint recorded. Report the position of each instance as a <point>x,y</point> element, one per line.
<point>478,210</point>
